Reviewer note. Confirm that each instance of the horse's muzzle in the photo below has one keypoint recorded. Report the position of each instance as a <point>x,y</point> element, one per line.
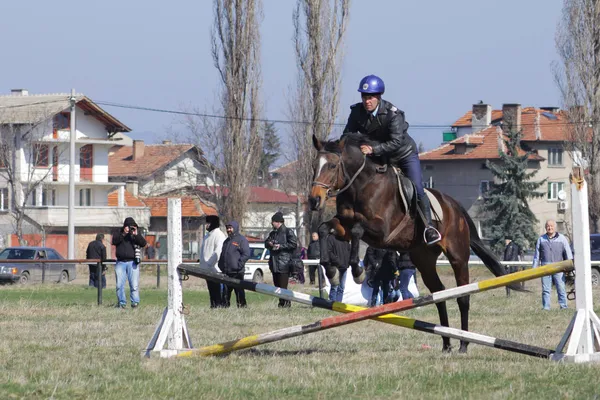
<point>314,202</point>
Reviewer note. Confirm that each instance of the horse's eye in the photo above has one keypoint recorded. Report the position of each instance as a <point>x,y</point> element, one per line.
<point>332,166</point>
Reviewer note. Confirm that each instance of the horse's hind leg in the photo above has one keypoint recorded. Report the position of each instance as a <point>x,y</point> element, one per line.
<point>461,274</point>
<point>425,261</point>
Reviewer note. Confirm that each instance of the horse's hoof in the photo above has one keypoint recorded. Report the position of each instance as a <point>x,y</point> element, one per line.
<point>360,278</point>
<point>462,349</point>
<point>447,349</point>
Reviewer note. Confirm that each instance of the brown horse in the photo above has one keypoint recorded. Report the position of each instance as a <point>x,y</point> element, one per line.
<point>369,208</point>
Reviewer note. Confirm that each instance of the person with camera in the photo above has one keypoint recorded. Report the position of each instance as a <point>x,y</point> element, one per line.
<point>282,243</point>
<point>128,243</point>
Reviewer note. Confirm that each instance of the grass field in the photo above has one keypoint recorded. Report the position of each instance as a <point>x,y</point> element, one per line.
<point>55,342</point>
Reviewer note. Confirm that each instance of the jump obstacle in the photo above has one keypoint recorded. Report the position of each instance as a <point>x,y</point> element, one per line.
<point>583,333</point>
<point>255,340</point>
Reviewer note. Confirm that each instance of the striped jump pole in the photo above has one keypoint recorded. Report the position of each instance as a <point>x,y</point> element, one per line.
<point>357,314</point>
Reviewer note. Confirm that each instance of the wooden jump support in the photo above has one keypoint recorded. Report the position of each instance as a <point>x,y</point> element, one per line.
<point>251,341</point>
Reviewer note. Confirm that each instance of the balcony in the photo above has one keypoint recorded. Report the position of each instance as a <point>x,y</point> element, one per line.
<point>89,216</point>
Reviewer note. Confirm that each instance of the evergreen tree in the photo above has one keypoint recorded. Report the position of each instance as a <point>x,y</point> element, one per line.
<point>506,204</point>
<point>270,150</point>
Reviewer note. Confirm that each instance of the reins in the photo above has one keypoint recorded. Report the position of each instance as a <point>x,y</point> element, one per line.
<point>331,193</point>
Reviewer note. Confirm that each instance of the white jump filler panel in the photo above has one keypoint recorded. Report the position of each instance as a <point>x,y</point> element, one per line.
<point>172,329</point>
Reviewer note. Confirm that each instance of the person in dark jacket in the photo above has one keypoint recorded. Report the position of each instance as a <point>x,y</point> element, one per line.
<point>314,253</point>
<point>511,253</point>
<point>339,258</point>
<point>282,243</point>
<point>232,262</point>
<point>386,126</point>
<point>372,263</point>
<point>96,250</point>
<point>128,243</point>
<point>383,276</point>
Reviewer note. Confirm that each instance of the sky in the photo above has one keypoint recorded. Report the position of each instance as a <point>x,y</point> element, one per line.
<point>436,57</point>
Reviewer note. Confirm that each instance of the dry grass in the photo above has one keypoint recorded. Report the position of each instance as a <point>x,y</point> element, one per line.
<point>56,343</point>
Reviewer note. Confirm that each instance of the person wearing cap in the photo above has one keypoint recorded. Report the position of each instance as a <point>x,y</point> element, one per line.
<point>282,243</point>
<point>232,262</point>
<point>212,245</point>
<point>128,243</point>
<point>386,126</point>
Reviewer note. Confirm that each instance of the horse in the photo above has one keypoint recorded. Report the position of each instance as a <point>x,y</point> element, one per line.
<point>369,207</point>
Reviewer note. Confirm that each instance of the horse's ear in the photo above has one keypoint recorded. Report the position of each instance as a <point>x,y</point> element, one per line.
<point>317,143</point>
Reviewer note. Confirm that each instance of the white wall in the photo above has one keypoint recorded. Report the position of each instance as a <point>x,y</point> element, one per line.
<point>172,180</point>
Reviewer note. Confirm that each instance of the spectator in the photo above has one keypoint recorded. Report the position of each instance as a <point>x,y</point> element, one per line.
<point>372,263</point>
<point>550,248</point>
<point>383,276</point>
<point>150,252</point>
<point>314,253</point>
<point>511,253</point>
<point>407,271</point>
<point>232,262</point>
<point>282,243</point>
<point>96,250</point>
<point>160,253</point>
<point>128,245</point>
<point>339,257</point>
<point>212,245</point>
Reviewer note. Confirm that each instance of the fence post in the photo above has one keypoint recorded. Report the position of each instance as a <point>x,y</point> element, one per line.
<point>157,276</point>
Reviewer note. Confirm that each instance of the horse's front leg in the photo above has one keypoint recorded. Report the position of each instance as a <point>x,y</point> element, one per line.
<point>358,272</point>
<point>325,229</point>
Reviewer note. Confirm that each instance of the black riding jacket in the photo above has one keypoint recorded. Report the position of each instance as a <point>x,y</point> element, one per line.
<point>388,128</point>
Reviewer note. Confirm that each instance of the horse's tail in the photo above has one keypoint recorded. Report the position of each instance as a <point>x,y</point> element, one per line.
<point>485,254</point>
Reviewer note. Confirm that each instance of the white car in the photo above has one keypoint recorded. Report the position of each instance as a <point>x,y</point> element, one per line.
<point>257,265</point>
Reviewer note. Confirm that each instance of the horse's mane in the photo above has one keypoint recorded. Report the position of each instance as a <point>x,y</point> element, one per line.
<point>349,138</point>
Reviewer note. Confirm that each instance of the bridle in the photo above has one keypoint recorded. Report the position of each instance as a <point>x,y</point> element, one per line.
<point>340,166</point>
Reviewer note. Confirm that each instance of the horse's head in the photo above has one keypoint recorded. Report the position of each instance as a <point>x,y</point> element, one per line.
<point>328,175</point>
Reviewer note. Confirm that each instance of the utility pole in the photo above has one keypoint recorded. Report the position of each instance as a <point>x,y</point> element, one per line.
<point>71,214</point>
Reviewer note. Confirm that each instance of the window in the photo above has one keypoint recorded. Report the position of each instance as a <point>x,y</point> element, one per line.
<point>555,157</point>
<point>48,197</point>
<point>159,178</point>
<point>86,161</point>
<point>4,155</point>
<point>40,154</point>
<point>85,197</point>
<point>33,195</point>
<point>61,121</point>
<point>180,172</point>
<point>553,189</point>
<point>52,255</point>
<point>4,199</point>
<point>484,187</point>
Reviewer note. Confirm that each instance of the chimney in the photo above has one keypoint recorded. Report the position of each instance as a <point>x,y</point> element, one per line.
<point>166,142</point>
<point>481,117</point>
<point>19,92</point>
<point>511,116</point>
<point>138,149</point>
<point>132,187</point>
<point>551,109</point>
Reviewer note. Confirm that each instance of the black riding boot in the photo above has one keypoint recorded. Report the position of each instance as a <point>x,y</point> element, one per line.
<point>430,235</point>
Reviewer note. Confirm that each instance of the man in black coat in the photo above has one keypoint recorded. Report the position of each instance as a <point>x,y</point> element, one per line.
<point>372,262</point>
<point>339,260</point>
<point>511,253</point>
<point>96,250</point>
<point>232,262</point>
<point>313,253</point>
<point>282,243</point>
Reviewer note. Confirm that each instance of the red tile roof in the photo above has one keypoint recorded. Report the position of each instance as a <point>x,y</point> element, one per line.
<point>156,156</point>
<point>130,199</point>
<point>483,145</point>
<point>190,207</point>
<point>259,194</point>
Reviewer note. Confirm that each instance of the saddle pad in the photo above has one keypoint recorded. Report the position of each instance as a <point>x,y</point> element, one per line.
<point>437,214</point>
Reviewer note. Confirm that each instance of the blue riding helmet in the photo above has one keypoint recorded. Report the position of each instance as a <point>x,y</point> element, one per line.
<point>371,84</point>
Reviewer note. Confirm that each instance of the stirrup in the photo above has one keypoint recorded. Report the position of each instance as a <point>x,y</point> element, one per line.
<point>430,243</point>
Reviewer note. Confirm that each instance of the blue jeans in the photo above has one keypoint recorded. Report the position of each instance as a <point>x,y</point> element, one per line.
<point>130,271</point>
<point>559,282</point>
<point>405,275</point>
<point>336,293</point>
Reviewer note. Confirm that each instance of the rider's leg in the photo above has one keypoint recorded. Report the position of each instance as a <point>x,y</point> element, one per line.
<point>411,166</point>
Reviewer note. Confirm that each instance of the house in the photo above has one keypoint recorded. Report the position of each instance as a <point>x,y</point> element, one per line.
<point>34,172</point>
<point>154,170</point>
<point>458,167</point>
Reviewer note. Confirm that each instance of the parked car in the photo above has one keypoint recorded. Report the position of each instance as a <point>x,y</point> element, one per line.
<point>37,270</point>
<point>257,264</point>
<point>595,256</point>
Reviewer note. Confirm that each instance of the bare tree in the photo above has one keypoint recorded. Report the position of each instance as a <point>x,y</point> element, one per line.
<point>319,29</point>
<point>578,77</point>
<point>236,55</point>
<point>26,163</point>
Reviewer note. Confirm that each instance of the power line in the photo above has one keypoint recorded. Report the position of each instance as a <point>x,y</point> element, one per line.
<point>283,121</point>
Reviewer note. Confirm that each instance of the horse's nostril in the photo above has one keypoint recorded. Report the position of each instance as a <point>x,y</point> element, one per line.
<point>314,202</point>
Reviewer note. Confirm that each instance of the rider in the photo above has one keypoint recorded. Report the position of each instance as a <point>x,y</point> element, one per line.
<point>385,124</point>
